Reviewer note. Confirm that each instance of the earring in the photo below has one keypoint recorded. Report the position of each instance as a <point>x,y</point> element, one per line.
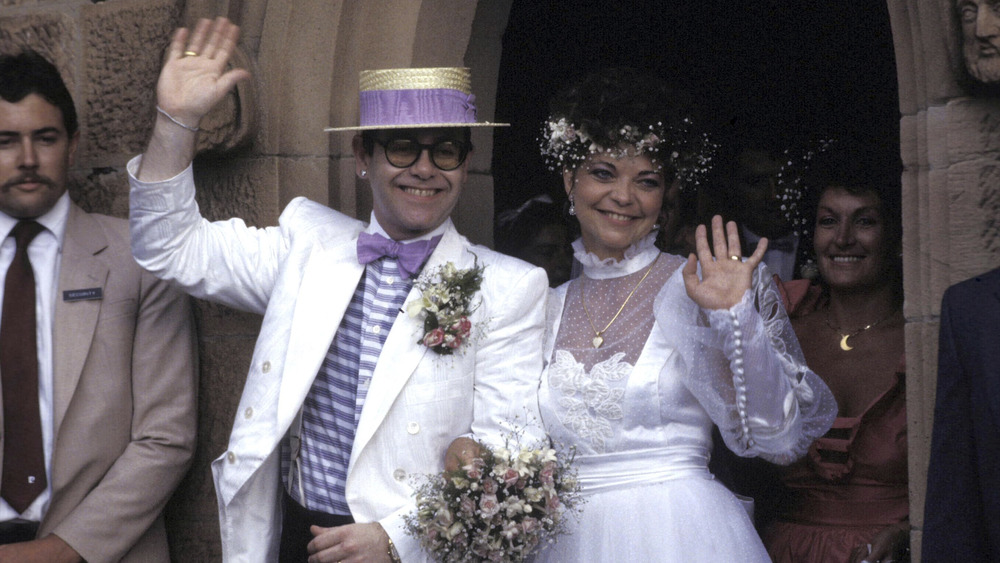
<point>364,173</point>
<point>572,205</point>
<point>656,227</point>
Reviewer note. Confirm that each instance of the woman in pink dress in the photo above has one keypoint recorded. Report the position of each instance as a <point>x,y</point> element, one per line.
<point>847,500</point>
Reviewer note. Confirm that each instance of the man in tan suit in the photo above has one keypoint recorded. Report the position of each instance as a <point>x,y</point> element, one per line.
<point>98,370</point>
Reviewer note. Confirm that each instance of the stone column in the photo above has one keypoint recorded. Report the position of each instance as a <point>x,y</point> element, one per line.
<point>951,200</point>
<point>262,147</point>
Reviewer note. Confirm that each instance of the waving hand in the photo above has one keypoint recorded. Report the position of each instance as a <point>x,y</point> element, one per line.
<point>725,277</point>
<point>194,78</point>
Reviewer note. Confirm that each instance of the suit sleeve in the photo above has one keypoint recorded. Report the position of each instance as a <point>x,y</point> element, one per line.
<point>226,262</point>
<point>509,364</point>
<point>953,518</point>
<point>133,492</point>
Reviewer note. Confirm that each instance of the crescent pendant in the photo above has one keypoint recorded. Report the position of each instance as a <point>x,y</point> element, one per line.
<point>843,343</point>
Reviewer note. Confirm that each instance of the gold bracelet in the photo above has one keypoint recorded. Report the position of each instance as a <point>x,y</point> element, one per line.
<point>393,554</point>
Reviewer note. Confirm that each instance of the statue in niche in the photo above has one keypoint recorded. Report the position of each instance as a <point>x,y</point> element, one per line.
<point>980,23</point>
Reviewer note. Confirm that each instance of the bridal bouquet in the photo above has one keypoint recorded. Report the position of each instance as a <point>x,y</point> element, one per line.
<point>499,507</point>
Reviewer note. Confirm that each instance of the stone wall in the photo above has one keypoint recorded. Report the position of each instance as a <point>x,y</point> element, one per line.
<point>951,201</point>
<point>264,146</point>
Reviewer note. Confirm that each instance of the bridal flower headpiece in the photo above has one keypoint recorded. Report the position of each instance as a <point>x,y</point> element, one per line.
<point>689,154</point>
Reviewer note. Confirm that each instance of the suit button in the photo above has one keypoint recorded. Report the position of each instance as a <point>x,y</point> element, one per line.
<point>231,457</point>
<point>399,475</point>
<point>265,367</point>
<point>413,428</point>
<point>248,413</point>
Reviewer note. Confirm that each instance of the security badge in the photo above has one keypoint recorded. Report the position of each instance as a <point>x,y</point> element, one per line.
<point>90,294</point>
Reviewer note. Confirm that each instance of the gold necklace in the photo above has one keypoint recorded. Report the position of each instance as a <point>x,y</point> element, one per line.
<point>844,336</point>
<point>598,339</point>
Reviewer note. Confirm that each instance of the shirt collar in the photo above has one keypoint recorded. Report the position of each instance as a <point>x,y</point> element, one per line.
<point>375,228</point>
<point>54,220</point>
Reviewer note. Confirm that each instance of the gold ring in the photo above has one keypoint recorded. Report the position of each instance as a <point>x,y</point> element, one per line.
<point>734,257</point>
<point>190,54</point>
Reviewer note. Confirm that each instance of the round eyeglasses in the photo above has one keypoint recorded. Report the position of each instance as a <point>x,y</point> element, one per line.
<point>446,155</point>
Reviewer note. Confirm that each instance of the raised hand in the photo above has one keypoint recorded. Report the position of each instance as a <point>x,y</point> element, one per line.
<point>725,277</point>
<point>194,76</point>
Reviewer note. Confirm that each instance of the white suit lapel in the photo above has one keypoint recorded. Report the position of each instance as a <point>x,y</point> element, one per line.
<point>329,280</point>
<point>401,353</point>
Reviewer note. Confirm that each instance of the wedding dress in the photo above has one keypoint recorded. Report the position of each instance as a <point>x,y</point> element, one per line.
<point>639,409</point>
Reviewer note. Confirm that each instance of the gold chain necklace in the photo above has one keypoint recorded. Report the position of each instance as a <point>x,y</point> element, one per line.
<point>844,336</point>
<point>598,339</point>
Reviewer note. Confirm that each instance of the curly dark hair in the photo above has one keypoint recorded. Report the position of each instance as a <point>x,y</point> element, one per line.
<point>617,107</point>
<point>861,167</point>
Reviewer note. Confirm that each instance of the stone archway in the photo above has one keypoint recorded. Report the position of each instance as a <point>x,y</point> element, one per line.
<point>951,201</point>
<point>305,58</point>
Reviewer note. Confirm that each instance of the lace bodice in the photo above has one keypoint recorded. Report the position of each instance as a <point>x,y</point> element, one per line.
<point>667,369</point>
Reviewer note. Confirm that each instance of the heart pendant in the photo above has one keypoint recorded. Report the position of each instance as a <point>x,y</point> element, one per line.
<point>598,340</point>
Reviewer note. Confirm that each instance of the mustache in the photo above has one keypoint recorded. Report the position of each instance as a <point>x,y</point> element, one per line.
<point>27,179</point>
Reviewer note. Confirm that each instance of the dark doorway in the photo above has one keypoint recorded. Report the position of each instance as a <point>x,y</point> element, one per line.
<point>795,66</point>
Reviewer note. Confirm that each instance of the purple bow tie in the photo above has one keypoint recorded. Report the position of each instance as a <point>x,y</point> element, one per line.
<point>410,256</point>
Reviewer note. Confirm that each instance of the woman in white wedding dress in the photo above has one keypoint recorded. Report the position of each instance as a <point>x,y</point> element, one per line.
<point>647,351</point>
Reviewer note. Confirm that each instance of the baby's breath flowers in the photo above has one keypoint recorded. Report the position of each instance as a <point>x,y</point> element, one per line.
<point>689,154</point>
<point>499,507</point>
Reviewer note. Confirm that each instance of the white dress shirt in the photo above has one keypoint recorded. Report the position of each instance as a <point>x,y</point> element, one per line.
<point>44,252</point>
<point>780,255</point>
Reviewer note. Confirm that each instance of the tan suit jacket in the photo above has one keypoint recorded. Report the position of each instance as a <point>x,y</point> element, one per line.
<point>124,398</point>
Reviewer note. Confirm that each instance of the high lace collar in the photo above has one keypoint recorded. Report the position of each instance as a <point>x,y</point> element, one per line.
<point>637,257</point>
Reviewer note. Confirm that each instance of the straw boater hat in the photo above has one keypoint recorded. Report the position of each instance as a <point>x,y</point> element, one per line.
<point>410,98</point>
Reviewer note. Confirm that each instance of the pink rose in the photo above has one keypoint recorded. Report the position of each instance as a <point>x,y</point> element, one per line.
<point>444,517</point>
<point>547,473</point>
<point>434,338</point>
<point>462,327</point>
<point>489,505</point>
<point>552,503</point>
<point>490,487</point>
<point>529,525</point>
<point>453,341</point>
<point>474,469</point>
<point>467,505</point>
<point>510,476</point>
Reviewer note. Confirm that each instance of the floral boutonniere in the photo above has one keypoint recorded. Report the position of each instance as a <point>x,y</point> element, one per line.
<point>445,304</point>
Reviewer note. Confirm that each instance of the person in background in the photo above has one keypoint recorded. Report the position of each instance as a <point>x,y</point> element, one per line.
<point>750,189</point>
<point>847,500</point>
<point>351,390</point>
<point>538,233</point>
<point>645,350</point>
<point>962,509</point>
<point>97,357</point>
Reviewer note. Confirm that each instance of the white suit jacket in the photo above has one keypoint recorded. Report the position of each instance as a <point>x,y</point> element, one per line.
<point>301,276</point>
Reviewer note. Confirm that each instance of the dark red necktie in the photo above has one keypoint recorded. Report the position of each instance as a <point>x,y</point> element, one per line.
<point>23,458</point>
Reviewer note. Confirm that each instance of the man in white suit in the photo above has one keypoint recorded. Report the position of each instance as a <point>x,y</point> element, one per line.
<point>348,396</point>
